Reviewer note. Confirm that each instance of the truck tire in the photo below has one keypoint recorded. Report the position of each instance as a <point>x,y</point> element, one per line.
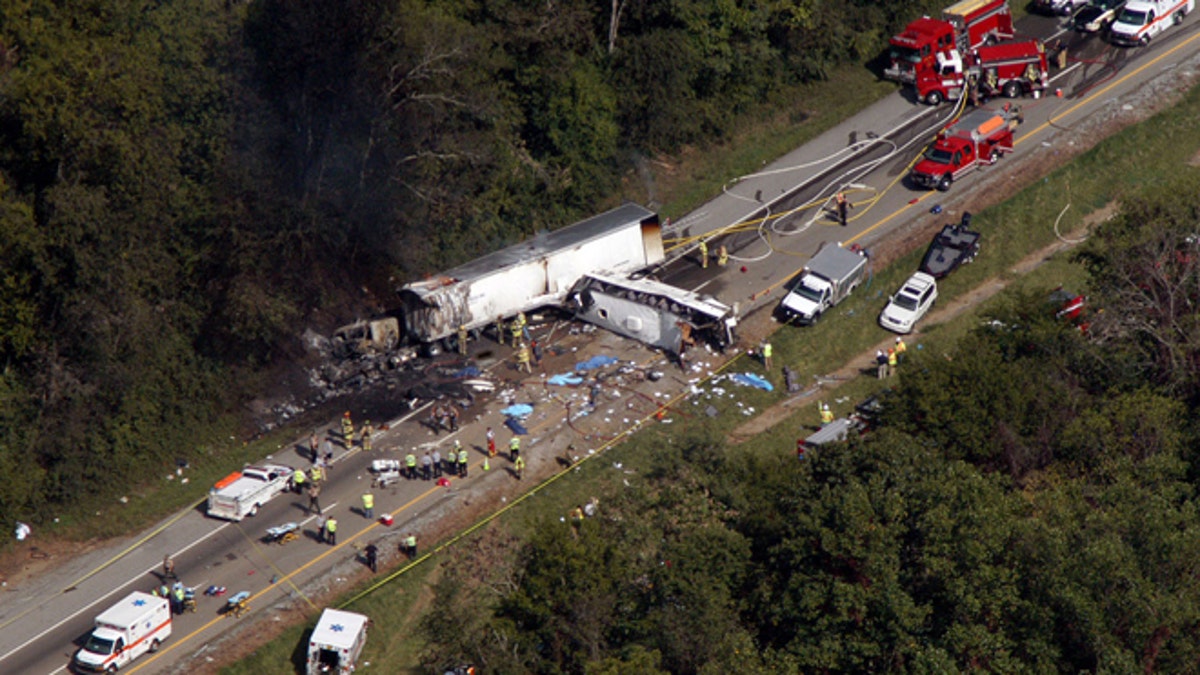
<point>945,182</point>
<point>1012,89</point>
<point>253,511</point>
<point>1144,41</point>
<point>1178,18</point>
<point>995,156</point>
<point>934,98</point>
<point>154,646</point>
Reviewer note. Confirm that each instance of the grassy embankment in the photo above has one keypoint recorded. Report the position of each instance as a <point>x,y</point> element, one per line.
<point>1123,164</point>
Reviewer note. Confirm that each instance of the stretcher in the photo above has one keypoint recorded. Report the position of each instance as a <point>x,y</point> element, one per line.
<point>282,534</point>
<point>238,605</point>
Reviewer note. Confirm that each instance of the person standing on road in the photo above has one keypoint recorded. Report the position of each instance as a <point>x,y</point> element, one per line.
<point>452,416</point>
<point>365,436</point>
<point>410,466</point>
<point>436,461</point>
<point>523,359</point>
<point>462,340</point>
<point>298,479</point>
<point>843,205</point>
<point>703,254</point>
<point>900,349</point>
<point>519,467</point>
<point>369,505</point>
<point>891,361</point>
<point>314,498</point>
<point>491,442</point>
<point>516,330</point>
<point>313,443</point>
<point>331,530</point>
<point>426,466</point>
<point>463,460</point>
<point>169,568</point>
<point>514,449</point>
<point>347,430</point>
<point>722,256</point>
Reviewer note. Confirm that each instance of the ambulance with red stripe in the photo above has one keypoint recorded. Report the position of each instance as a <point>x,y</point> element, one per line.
<point>1141,20</point>
<point>130,628</point>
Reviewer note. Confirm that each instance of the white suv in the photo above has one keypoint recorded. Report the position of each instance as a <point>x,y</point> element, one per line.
<point>909,304</point>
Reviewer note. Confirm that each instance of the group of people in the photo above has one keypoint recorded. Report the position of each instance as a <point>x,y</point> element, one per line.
<point>722,255</point>
<point>443,416</point>
<point>885,364</point>
<point>179,596</point>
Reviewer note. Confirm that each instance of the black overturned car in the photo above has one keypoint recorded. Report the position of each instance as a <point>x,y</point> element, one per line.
<point>1098,15</point>
<point>955,245</point>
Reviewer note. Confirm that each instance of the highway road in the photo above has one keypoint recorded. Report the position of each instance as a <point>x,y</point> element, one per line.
<point>45,619</point>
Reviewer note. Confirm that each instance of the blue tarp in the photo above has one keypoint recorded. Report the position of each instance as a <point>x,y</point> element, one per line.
<point>518,410</point>
<point>564,380</point>
<point>469,371</point>
<point>752,380</point>
<point>598,361</point>
<point>515,426</point>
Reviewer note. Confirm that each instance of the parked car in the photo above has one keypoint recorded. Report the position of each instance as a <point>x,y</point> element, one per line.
<point>1098,15</point>
<point>909,304</point>
<point>1058,7</point>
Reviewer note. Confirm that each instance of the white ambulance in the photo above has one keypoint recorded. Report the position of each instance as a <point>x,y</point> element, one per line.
<point>1141,20</point>
<point>336,642</point>
<point>130,628</point>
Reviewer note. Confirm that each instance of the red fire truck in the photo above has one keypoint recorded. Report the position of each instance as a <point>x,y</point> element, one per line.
<point>1010,68</point>
<point>977,139</point>
<point>963,26</point>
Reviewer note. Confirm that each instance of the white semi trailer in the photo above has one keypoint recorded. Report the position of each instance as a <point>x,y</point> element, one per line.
<point>538,272</point>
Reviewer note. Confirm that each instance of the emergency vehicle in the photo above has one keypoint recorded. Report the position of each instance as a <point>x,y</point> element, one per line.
<point>977,139</point>
<point>130,628</point>
<point>241,493</point>
<point>962,26</point>
<point>1011,68</point>
<point>336,642</point>
<point>1141,20</point>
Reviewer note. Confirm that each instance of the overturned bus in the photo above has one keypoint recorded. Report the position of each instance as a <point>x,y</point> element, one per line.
<point>652,312</point>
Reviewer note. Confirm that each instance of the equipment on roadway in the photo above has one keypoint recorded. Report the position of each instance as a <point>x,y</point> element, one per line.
<point>130,628</point>
<point>336,642</point>
<point>282,534</point>
<point>238,605</point>
<point>963,26</point>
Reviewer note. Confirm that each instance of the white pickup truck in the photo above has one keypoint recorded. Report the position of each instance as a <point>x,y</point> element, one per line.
<point>241,493</point>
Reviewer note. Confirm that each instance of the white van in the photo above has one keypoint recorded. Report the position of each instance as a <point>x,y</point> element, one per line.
<point>130,628</point>
<point>336,642</point>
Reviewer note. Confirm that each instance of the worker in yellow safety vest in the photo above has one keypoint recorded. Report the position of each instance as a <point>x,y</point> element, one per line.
<point>347,430</point>
<point>368,505</point>
<point>703,254</point>
<point>722,256</point>
<point>298,479</point>
<point>523,359</point>
<point>826,414</point>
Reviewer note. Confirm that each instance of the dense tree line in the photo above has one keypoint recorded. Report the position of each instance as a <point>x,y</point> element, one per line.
<point>1027,504</point>
<point>183,182</point>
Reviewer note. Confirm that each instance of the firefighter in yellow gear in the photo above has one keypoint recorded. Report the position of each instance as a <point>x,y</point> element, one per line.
<point>515,329</point>
<point>722,256</point>
<point>891,361</point>
<point>365,435</point>
<point>826,414</point>
<point>462,340</point>
<point>523,359</point>
<point>347,430</point>
<point>703,254</point>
